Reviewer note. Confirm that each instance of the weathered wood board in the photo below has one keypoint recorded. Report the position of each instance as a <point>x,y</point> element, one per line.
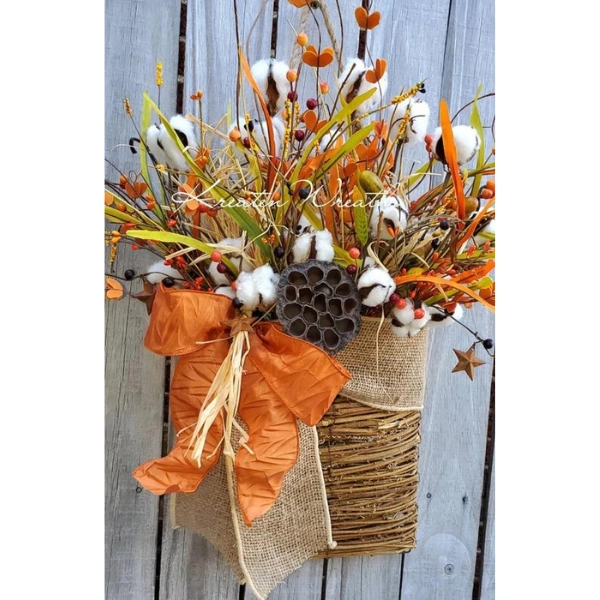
<point>137,35</point>
<point>452,45</point>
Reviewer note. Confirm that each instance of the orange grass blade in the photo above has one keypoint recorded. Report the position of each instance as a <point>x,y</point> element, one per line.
<point>475,222</point>
<point>445,282</point>
<point>450,154</point>
<point>248,73</point>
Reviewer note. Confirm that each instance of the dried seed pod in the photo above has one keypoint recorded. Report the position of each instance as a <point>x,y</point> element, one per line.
<point>319,302</point>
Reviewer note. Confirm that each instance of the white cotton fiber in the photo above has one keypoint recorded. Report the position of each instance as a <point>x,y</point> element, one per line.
<point>375,286</point>
<point>158,271</point>
<point>246,291</point>
<point>152,141</point>
<point>324,245</point>
<point>302,247</point>
<point>404,315</point>
<point>266,280</point>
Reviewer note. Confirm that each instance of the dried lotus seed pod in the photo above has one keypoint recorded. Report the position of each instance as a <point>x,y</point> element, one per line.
<point>319,302</point>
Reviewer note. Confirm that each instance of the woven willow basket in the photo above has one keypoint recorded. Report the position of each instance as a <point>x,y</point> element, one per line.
<point>369,443</point>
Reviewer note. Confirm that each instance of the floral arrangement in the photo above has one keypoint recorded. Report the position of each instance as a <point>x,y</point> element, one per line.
<point>297,211</point>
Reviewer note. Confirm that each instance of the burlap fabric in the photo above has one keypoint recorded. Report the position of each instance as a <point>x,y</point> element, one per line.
<point>388,372</point>
<point>296,528</point>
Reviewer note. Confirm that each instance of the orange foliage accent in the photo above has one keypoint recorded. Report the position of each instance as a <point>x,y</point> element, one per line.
<point>313,58</point>
<point>366,20</point>
<point>450,155</point>
<point>374,75</point>
<point>113,289</point>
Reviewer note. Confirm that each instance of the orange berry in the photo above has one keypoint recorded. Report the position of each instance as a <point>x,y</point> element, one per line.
<point>354,253</point>
<point>121,206</point>
<point>324,87</point>
<point>235,135</point>
<point>486,193</point>
<point>302,39</point>
<point>216,256</point>
<point>468,305</point>
<point>401,303</point>
<point>171,223</point>
<point>291,75</point>
<point>419,313</point>
<point>276,196</point>
<point>135,247</point>
<point>490,184</point>
<point>122,181</point>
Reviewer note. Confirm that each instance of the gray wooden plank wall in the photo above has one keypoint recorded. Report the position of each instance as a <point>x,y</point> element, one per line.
<point>451,42</point>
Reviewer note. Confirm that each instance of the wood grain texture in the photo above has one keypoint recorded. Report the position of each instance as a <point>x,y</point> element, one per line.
<point>303,584</point>
<point>191,569</point>
<point>137,34</point>
<point>488,579</point>
<point>455,417</point>
<point>454,431</point>
<point>358,578</point>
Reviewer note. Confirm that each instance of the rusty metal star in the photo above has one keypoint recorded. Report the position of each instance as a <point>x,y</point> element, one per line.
<point>146,295</point>
<point>240,324</point>
<point>467,362</point>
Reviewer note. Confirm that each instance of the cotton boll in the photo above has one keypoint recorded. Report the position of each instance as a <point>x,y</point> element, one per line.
<point>302,247</point>
<point>260,72</point>
<point>158,271</point>
<point>246,291</point>
<point>412,331</point>
<point>404,315</point>
<point>439,317</point>
<point>303,225</point>
<point>225,290</point>
<point>261,136</point>
<point>418,324</point>
<point>402,331</point>
<point>389,217</point>
<point>216,277</point>
<point>152,141</point>
<point>380,87</point>
<point>324,245</point>
<point>185,131</point>
<point>270,74</point>
<point>375,287</point>
<point>466,140</point>
<point>352,71</point>
<point>266,281</point>
<point>240,263</point>
<point>419,120</point>
<point>279,71</point>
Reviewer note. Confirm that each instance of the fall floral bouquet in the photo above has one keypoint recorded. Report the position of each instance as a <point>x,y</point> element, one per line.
<point>293,253</point>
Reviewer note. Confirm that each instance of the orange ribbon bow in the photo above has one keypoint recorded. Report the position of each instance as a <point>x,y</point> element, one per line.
<point>284,378</point>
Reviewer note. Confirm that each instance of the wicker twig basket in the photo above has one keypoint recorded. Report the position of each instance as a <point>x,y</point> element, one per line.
<point>370,465</point>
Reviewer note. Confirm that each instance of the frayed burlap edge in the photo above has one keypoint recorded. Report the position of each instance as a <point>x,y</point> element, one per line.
<point>262,555</point>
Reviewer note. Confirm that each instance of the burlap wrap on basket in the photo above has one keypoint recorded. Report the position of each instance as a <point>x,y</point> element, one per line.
<point>368,459</point>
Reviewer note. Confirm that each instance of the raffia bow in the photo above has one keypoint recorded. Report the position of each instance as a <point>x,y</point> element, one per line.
<point>270,379</point>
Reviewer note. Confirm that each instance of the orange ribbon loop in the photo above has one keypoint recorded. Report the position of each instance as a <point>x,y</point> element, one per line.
<point>284,378</point>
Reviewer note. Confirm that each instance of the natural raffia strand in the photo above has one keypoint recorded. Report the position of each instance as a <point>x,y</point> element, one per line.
<point>370,465</point>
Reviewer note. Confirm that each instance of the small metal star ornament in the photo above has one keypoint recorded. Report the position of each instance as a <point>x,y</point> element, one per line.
<point>146,295</point>
<point>467,362</point>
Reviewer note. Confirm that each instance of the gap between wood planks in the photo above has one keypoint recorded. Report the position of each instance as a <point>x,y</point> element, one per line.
<point>485,491</point>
